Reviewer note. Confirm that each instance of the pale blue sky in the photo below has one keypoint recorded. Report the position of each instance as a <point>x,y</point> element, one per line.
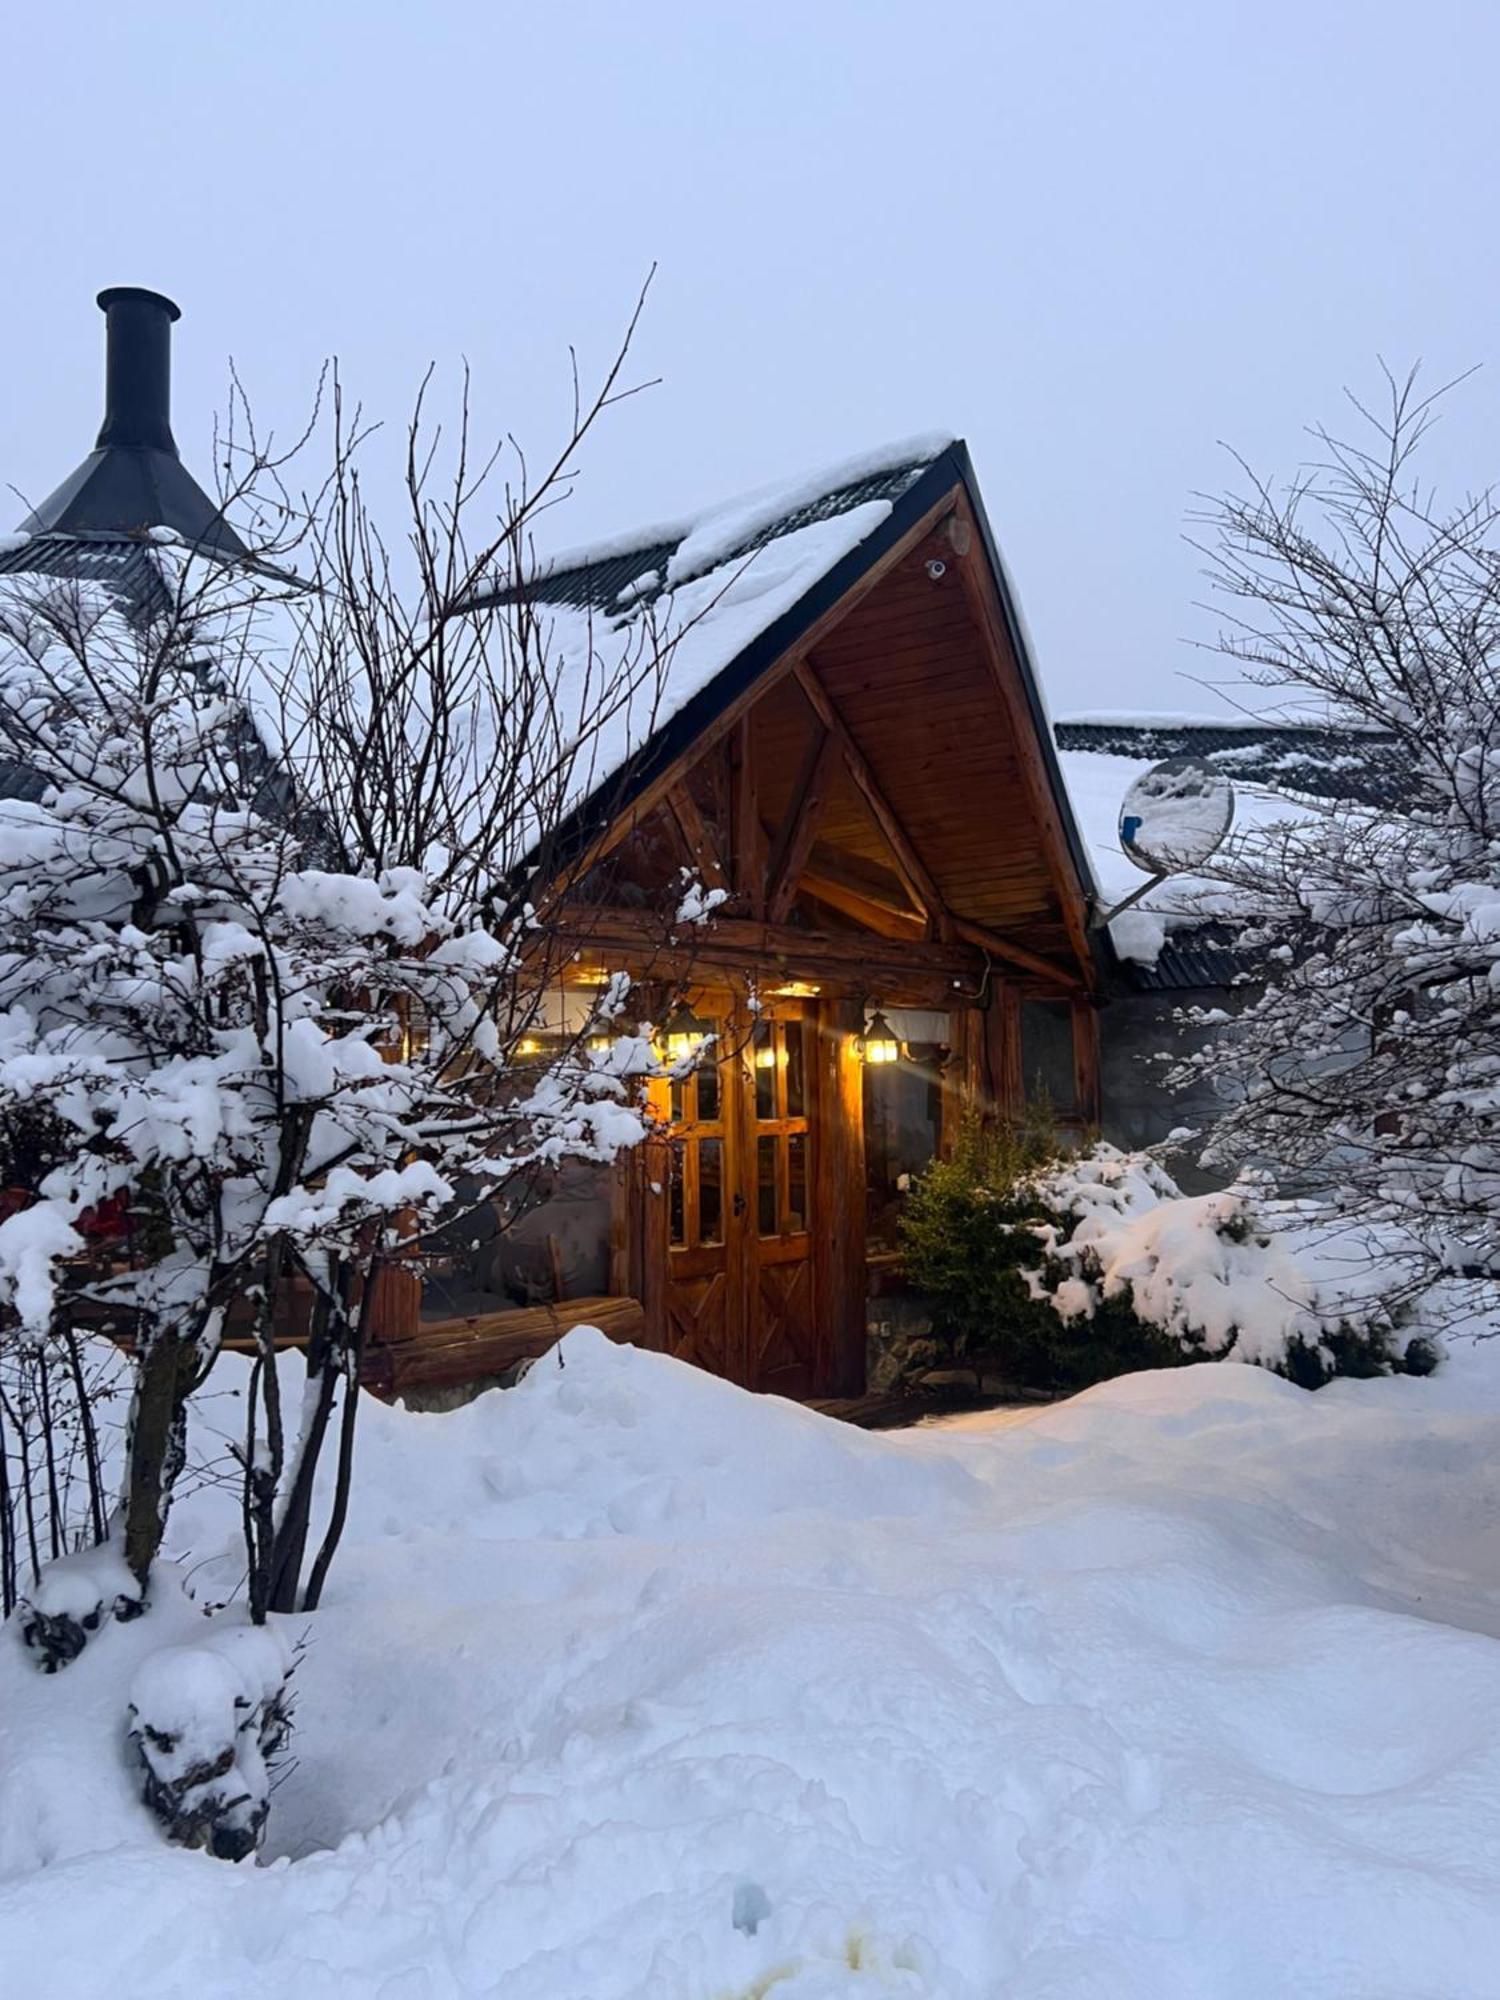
<point>1095,239</point>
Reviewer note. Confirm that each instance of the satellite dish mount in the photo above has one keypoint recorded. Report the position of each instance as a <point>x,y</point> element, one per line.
<point>1171,820</point>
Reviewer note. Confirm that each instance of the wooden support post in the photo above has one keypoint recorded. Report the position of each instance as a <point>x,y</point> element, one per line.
<point>395,1308</point>
<point>1003,1037</point>
<point>1086,1079</point>
<point>838,1208</point>
<point>652,1166</point>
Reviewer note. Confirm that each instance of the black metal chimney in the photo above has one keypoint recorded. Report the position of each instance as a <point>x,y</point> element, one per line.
<point>137,368</point>
<point>133,480</point>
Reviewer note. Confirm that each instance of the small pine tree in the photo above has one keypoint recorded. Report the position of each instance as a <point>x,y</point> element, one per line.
<point>972,1240</point>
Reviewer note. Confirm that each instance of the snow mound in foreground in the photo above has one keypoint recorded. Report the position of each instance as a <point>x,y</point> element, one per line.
<point>633,1685</point>
<point>603,1439</point>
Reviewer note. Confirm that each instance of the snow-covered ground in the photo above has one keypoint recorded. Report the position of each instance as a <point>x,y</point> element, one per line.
<point>631,1684</point>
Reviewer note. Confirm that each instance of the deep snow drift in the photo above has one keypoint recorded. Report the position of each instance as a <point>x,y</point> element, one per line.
<point>630,1684</point>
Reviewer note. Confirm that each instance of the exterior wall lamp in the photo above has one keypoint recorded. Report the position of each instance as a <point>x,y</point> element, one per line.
<point>878,1043</point>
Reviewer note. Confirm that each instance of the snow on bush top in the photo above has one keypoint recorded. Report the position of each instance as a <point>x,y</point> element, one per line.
<point>1209,1270</point>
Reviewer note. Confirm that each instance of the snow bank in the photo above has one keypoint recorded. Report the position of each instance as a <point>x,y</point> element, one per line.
<point>634,1685</point>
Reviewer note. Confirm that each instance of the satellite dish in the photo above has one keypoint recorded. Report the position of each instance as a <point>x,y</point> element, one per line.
<point>1175,815</point>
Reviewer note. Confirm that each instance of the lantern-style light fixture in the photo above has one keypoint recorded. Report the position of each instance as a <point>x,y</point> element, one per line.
<point>878,1043</point>
<point>682,1033</point>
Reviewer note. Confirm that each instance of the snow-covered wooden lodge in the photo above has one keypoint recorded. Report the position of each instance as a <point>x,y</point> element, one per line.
<point>850,757</point>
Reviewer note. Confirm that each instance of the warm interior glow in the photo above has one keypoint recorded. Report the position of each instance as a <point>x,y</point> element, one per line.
<point>765,1058</point>
<point>796,989</point>
<point>528,1046</point>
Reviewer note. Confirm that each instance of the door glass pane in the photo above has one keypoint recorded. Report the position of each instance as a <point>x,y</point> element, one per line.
<point>796,1190</point>
<point>710,1191</point>
<point>763,1055</point>
<point>796,1089</point>
<point>676,1210</point>
<point>765,1184</point>
<point>708,1085</point>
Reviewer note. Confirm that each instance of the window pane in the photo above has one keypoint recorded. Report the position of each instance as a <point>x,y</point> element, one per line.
<point>765,1179</point>
<point>796,1089</point>
<point>676,1112</point>
<point>763,1055</point>
<point>708,1086</point>
<point>796,1192</point>
<point>677,1216</point>
<point>710,1191</point>
<point>1047,1053</point>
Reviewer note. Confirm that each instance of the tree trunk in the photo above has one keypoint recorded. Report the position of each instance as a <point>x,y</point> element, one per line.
<point>157,1443</point>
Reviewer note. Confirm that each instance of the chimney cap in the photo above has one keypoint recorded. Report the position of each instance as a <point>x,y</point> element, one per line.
<point>118,294</point>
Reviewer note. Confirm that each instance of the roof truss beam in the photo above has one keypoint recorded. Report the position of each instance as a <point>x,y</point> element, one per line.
<point>915,878</point>
<point>821,760</point>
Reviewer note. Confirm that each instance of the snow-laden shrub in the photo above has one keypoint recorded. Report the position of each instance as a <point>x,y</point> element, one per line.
<point>1063,1269</point>
<point>1217,1274</point>
<point>969,1241</point>
<point>72,1597</point>
<point>207,1722</point>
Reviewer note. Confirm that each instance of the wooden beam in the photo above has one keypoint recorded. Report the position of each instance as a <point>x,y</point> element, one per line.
<point>1001,947</point>
<point>700,846</point>
<point>983,593</point>
<point>749,862</point>
<point>440,1352</point>
<point>918,882</point>
<point>875,914</point>
<point>809,797</point>
<point>639,934</point>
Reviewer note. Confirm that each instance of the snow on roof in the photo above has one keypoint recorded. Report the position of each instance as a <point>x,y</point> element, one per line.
<point>1224,719</point>
<point>633,628</point>
<point>701,540</point>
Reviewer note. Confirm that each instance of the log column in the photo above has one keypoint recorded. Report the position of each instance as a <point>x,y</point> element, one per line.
<point>839,1198</point>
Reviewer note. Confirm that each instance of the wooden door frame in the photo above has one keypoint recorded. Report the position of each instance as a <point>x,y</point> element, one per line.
<point>840,1275</point>
<point>836,1199</point>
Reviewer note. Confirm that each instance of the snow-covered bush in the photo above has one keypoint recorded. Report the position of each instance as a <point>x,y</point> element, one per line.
<point>1215,1274</point>
<point>1064,1269</point>
<point>969,1242</point>
<point>208,1722</point>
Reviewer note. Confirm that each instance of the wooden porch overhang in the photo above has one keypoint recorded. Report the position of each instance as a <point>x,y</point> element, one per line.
<point>879,759</point>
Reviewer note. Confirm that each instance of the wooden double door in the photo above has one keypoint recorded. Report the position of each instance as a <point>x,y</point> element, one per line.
<point>740,1282</point>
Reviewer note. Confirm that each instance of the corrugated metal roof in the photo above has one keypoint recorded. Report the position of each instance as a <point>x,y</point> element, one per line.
<point>598,585</point>
<point>1182,966</point>
<point>124,563</point>
<point>1318,761</point>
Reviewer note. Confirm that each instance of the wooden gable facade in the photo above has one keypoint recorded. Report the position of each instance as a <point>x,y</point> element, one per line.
<point>872,786</point>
